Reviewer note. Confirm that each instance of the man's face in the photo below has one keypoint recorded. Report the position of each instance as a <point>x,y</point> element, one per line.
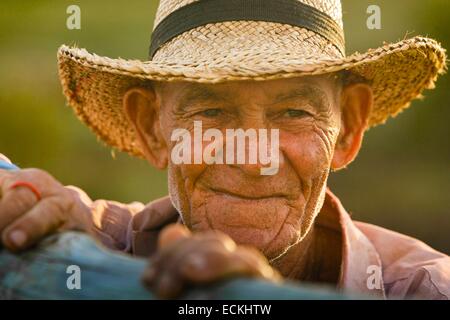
<point>270,212</point>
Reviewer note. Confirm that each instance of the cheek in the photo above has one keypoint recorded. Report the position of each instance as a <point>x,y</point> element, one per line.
<point>308,153</point>
<point>182,179</point>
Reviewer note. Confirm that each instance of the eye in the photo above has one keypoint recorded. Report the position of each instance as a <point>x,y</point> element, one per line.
<point>296,113</point>
<point>210,113</point>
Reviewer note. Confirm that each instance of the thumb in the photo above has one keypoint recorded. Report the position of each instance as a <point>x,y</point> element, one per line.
<point>171,234</point>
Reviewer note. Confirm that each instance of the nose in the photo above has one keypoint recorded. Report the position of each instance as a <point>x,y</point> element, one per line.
<point>258,157</point>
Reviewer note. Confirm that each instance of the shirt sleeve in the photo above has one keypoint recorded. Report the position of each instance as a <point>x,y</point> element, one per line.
<point>425,283</point>
<point>411,269</point>
<point>111,220</point>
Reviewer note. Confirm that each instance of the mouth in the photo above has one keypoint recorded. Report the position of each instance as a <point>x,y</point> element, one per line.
<point>225,208</point>
<point>249,219</point>
<point>235,195</point>
<point>250,216</point>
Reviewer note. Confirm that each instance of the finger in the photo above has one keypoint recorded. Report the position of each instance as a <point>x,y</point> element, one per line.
<point>171,234</point>
<point>14,203</point>
<point>168,280</point>
<point>200,250</point>
<point>219,237</point>
<point>258,262</point>
<point>152,270</point>
<point>236,265</point>
<point>162,281</point>
<point>168,286</point>
<point>169,271</point>
<point>167,257</point>
<point>205,266</point>
<point>4,175</point>
<point>149,275</point>
<point>167,261</point>
<point>31,227</point>
<point>213,264</point>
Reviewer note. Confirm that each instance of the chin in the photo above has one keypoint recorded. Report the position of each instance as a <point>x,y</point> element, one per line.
<point>264,223</point>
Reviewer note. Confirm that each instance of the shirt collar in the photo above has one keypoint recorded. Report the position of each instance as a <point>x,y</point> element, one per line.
<point>360,259</point>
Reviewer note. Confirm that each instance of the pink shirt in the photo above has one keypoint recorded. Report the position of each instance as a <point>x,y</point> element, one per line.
<point>375,261</point>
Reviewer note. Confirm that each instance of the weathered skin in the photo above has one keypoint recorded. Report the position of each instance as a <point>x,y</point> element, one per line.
<point>321,128</point>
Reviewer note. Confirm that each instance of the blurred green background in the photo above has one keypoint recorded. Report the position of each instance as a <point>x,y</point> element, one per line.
<point>401,179</point>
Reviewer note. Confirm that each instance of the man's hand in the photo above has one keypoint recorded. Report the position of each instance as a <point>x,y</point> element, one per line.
<point>25,219</point>
<point>194,259</point>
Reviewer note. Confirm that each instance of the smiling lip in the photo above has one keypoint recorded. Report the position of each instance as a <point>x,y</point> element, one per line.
<point>231,213</point>
<point>247,197</point>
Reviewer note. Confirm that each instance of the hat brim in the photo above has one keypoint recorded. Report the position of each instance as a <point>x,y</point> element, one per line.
<point>94,86</point>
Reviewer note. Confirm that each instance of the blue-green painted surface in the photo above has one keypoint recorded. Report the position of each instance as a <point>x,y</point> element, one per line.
<point>41,274</point>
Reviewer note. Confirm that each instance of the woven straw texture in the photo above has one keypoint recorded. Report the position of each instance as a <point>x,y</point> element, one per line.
<point>242,50</point>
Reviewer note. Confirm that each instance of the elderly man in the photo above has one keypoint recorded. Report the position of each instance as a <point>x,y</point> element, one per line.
<point>234,64</point>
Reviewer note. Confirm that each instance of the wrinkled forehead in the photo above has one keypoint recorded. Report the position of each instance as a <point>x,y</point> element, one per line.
<point>323,87</point>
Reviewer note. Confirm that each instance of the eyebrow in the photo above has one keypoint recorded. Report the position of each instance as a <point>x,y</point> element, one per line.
<point>315,95</point>
<point>198,94</point>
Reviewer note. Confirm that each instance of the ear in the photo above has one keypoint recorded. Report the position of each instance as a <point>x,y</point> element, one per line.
<point>142,109</point>
<point>356,105</point>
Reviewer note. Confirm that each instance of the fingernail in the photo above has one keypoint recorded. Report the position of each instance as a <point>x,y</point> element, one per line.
<point>18,237</point>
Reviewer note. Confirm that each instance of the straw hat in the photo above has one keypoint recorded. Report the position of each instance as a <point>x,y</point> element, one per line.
<point>212,41</point>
